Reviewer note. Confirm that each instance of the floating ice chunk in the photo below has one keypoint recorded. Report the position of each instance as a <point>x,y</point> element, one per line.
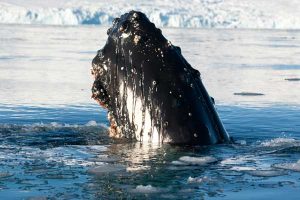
<point>146,189</point>
<point>137,168</point>
<point>188,160</point>
<point>242,168</point>
<point>106,168</point>
<point>198,13</point>
<point>277,142</point>
<point>198,179</point>
<point>55,124</point>
<point>292,79</point>
<point>289,166</point>
<point>248,93</point>
<point>266,173</point>
<point>91,123</point>
<point>94,148</point>
<point>237,160</point>
<point>176,162</point>
<point>241,142</point>
<point>5,175</point>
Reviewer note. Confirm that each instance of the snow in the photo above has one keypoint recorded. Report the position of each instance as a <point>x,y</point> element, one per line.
<point>280,14</point>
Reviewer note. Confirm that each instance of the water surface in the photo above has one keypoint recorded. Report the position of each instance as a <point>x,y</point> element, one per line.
<point>53,136</point>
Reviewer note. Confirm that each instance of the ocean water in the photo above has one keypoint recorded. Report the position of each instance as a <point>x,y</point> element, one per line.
<point>53,136</point>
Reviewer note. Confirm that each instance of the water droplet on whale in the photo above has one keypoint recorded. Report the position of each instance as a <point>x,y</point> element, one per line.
<point>166,124</point>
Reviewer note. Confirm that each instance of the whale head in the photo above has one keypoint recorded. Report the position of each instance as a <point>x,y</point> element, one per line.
<point>151,92</point>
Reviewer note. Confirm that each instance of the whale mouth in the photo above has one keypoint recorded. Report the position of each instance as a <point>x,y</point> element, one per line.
<point>100,94</point>
<point>99,91</point>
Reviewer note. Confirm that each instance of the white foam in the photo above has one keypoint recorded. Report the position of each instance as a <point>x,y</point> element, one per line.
<point>197,13</point>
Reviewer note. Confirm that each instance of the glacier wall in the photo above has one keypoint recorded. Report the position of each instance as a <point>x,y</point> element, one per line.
<point>268,14</point>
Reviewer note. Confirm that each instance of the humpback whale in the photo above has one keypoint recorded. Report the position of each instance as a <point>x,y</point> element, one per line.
<point>151,92</point>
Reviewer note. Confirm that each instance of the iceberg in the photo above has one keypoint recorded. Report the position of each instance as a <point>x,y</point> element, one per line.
<point>255,14</point>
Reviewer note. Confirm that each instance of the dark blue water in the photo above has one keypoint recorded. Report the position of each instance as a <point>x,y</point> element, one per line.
<point>53,137</point>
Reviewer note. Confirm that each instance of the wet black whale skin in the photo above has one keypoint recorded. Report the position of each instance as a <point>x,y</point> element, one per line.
<point>139,56</point>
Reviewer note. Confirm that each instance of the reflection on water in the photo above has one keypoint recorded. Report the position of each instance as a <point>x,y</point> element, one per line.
<point>53,137</point>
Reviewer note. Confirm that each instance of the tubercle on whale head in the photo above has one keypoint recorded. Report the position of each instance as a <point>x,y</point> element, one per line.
<point>135,26</point>
<point>149,89</point>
